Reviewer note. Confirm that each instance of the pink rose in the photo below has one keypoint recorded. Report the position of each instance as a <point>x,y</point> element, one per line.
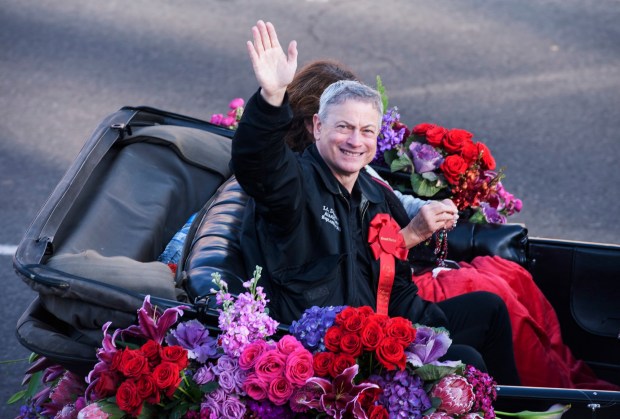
<point>288,344</point>
<point>255,387</point>
<point>456,394</point>
<point>279,391</point>
<point>270,365</point>
<point>251,353</point>
<point>236,103</point>
<point>299,367</point>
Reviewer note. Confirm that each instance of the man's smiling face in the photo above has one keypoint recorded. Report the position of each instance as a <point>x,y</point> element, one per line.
<point>347,138</point>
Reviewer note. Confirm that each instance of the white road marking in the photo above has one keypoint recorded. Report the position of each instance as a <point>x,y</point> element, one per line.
<point>7,250</point>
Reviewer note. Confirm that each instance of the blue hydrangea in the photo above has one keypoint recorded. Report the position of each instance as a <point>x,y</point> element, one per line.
<point>311,328</point>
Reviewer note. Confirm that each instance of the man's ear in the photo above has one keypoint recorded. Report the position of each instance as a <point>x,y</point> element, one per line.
<point>316,127</point>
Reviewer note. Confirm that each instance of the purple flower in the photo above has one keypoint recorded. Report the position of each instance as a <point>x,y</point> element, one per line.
<point>388,138</point>
<point>403,394</point>
<point>204,375</point>
<point>194,336</point>
<point>425,157</point>
<point>233,408</point>
<point>311,327</point>
<point>492,215</point>
<point>267,410</point>
<point>429,345</point>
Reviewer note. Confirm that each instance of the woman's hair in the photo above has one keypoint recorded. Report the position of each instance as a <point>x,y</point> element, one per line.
<point>304,94</point>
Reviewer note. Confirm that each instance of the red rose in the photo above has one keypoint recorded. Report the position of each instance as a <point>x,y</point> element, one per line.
<point>351,344</point>
<point>151,350</point>
<point>488,162</point>
<point>341,363</point>
<point>345,314</point>
<point>381,319</point>
<point>353,323</point>
<point>134,363</point>
<point>176,354</point>
<point>402,330</point>
<point>167,377</point>
<point>421,129</point>
<point>391,354</point>
<point>332,338</point>
<point>321,362</point>
<point>116,360</point>
<point>128,399</point>
<point>435,135</point>
<point>456,139</point>
<point>371,335</point>
<point>147,389</point>
<point>453,167</point>
<point>365,311</point>
<point>106,384</point>
<point>377,412</point>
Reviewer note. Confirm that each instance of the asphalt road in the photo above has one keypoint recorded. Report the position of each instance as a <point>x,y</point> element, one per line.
<point>537,80</point>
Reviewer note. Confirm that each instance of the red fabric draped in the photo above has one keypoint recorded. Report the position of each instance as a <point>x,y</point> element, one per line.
<point>543,360</point>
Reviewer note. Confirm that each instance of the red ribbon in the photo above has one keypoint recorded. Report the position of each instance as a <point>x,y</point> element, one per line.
<point>386,243</point>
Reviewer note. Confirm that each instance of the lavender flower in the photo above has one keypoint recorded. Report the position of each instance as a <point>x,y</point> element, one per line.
<point>429,345</point>
<point>194,336</point>
<point>311,328</point>
<point>243,320</point>
<point>204,374</point>
<point>403,394</point>
<point>425,157</point>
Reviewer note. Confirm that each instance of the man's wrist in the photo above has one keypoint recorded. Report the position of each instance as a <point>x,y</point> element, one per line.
<point>411,237</point>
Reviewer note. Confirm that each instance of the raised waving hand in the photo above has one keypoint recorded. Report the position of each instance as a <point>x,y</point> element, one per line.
<point>274,69</point>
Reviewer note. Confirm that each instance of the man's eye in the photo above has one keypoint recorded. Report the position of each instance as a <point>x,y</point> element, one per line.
<point>343,128</point>
<point>369,132</point>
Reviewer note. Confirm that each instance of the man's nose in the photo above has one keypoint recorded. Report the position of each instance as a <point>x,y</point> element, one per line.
<point>355,138</point>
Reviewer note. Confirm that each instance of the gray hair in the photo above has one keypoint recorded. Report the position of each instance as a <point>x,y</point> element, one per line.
<point>343,90</point>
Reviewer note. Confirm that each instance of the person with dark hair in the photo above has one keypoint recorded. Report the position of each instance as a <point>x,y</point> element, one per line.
<point>310,216</point>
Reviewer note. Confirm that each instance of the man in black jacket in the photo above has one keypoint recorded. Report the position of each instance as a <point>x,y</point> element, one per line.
<point>308,222</point>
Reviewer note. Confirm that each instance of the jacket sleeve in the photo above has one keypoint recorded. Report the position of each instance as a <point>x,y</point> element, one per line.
<point>265,167</point>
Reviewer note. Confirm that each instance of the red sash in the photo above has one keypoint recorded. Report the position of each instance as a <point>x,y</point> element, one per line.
<point>386,243</point>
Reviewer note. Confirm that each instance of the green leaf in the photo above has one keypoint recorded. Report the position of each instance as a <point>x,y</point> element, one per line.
<point>402,162</point>
<point>477,217</point>
<point>389,156</point>
<point>425,187</point>
<point>433,372</point>
<point>209,387</point>
<point>110,407</point>
<point>34,385</point>
<point>381,90</point>
<point>16,397</point>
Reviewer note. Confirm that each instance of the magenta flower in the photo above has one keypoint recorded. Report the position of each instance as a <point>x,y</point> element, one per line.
<point>152,324</point>
<point>236,103</point>
<point>455,393</point>
<point>341,396</point>
<point>216,118</point>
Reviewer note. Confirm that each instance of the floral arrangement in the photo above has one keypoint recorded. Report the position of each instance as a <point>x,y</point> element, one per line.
<point>232,117</point>
<point>339,362</point>
<point>445,163</point>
